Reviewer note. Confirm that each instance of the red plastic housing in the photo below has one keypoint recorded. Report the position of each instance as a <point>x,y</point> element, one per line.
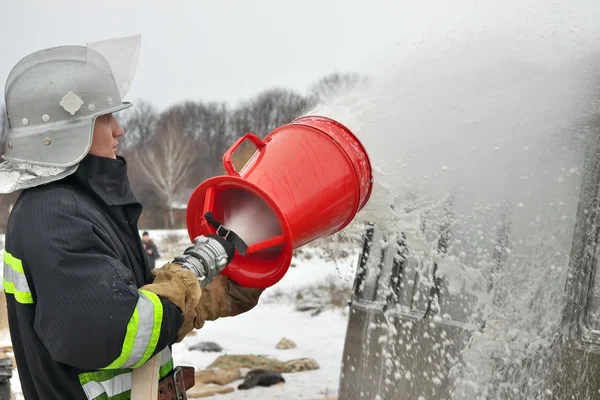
<point>310,177</point>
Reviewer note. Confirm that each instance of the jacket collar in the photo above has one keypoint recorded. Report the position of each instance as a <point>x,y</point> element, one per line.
<point>107,178</point>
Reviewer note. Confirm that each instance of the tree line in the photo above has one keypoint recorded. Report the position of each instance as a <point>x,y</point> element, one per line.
<point>169,152</point>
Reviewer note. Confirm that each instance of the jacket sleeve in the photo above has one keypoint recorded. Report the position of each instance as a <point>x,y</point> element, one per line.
<point>89,312</point>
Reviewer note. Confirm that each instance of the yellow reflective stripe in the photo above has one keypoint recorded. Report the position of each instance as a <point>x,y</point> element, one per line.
<point>166,362</point>
<point>101,376</point>
<point>132,327</point>
<point>143,332</point>
<point>157,319</point>
<point>14,262</point>
<point>14,281</point>
<point>165,369</point>
<point>21,297</point>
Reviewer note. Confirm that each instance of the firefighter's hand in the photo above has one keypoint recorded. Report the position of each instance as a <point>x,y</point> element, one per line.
<point>224,298</point>
<point>181,288</point>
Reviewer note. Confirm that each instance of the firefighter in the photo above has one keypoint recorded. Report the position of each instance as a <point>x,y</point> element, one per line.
<point>84,307</point>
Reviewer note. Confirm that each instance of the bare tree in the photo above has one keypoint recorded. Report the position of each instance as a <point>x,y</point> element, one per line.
<point>139,123</point>
<point>140,185</point>
<point>167,159</point>
<point>241,120</point>
<point>267,111</point>
<point>206,124</point>
<point>333,85</point>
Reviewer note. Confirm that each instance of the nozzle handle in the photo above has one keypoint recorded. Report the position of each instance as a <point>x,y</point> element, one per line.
<point>227,163</point>
<point>227,234</point>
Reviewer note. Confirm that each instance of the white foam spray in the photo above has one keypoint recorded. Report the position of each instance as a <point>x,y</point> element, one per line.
<point>251,219</point>
<point>497,120</point>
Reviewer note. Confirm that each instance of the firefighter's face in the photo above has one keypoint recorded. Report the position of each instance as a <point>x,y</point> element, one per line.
<point>106,134</point>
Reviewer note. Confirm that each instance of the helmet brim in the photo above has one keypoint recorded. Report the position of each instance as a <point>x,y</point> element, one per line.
<point>63,146</point>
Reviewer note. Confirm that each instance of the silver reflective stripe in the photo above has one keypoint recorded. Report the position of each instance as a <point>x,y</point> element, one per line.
<point>144,331</point>
<point>16,278</point>
<point>111,387</point>
<point>118,384</point>
<point>93,390</point>
<point>165,356</point>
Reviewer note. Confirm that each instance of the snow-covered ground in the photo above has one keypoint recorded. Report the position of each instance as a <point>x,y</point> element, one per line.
<point>320,338</point>
<point>257,332</point>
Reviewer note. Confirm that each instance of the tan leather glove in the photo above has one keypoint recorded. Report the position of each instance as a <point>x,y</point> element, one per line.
<point>224,298</point>
<point>182,288</point>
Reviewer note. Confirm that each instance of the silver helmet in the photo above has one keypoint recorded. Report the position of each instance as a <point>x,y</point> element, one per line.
<point>54,96</point>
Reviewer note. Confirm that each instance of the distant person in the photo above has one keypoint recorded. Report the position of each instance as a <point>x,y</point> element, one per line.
<point>151,249</point>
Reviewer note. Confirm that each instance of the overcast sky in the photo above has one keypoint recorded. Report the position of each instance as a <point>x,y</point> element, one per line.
<point>231,50</point>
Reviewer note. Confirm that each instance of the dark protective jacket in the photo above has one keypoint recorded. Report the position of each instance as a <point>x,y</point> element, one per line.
<point>73,264</point>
